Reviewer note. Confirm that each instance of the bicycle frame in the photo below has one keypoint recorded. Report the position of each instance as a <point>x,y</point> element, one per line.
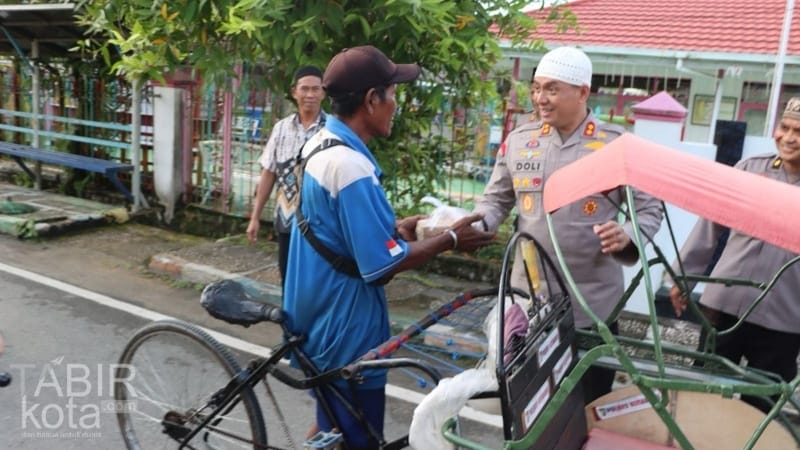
<point>314,379</point>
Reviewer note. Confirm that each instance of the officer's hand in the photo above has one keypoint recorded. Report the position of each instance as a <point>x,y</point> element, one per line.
<point>252,230</point>
<point>470,234</point>
<point>678,300</point>
<point>613,238</point>
<point>407,227</point>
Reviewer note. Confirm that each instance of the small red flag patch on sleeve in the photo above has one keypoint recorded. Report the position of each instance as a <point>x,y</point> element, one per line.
<point>393,247</point>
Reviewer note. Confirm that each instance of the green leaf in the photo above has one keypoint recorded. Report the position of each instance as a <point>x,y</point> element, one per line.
<point>450,38</point>
<point>366,28</point>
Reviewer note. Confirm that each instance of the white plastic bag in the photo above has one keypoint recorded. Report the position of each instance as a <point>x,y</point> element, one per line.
<point>440,219</point>
<point>451,394</point>
<point>444,402</point>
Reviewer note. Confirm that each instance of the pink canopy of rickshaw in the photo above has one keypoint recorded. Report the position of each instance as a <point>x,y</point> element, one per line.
<point>752,204</point>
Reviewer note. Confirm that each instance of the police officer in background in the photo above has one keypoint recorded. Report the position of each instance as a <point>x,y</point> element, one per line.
<point>770,336</point>
<point>594,244</point>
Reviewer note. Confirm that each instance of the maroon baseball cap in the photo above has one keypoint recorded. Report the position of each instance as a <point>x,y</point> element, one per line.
<point>360,68</point>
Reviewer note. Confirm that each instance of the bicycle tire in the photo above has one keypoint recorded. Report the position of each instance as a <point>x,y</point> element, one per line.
<point>180,348</point>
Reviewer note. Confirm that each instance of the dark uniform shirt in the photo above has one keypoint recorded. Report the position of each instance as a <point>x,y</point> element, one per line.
<point>530,154</point>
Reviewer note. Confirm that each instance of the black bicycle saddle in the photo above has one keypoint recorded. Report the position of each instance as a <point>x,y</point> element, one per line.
<point>227,300</point>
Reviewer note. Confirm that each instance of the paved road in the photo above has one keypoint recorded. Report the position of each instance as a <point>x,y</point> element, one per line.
<point>58,349</point>
<point>62,338</point>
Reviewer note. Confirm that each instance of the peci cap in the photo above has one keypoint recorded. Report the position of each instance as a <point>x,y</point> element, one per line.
<point>357,69</point>
<point>567,64</point>
<point>306,71</point>
<point>792,110</point>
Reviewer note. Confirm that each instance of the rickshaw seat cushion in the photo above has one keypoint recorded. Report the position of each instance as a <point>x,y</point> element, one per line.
<point>600,439</point>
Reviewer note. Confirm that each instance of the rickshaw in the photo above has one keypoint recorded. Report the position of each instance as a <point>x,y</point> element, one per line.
<point>678,397</point>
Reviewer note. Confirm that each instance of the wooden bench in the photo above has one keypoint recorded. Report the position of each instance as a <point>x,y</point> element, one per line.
<point>109,169</point>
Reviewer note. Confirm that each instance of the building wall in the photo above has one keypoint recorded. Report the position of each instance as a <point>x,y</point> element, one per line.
<point>699,74</point>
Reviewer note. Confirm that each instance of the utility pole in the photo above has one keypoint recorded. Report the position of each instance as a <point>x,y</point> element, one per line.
<point>777,78</point>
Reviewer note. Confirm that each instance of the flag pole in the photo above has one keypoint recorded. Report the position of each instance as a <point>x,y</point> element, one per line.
<point>777,76</point>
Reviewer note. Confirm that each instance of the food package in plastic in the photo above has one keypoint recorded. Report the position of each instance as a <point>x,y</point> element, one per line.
<point>440,219</point>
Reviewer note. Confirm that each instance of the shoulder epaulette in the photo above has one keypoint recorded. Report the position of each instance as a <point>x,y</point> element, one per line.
<point>526,127</point>
<point>607,130</point>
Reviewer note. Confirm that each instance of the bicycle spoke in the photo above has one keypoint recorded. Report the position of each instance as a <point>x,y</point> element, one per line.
<point>152,400</point>
<point>180,369</point>
<point>155,376</point>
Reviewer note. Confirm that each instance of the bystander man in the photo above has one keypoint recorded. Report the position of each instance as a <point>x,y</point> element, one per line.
<point>279,159</point>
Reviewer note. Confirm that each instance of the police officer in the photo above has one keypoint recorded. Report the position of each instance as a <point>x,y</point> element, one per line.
<point>770,336</point>
<point>592,241</point>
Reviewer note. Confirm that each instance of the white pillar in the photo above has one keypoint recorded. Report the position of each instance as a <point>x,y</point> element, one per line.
<point>167,149</point>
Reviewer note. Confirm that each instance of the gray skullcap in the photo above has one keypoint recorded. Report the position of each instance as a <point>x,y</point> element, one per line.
<point>792,110</point>
<point>567,64</point>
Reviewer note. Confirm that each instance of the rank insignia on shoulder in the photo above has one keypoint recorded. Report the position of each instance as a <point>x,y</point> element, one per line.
<point>777,163</point>
<point>601,135</point>
<point>502,150</point>
<point>589,130</point>
<point>590,207</point>
<point>594,145</point>
<point>545,130</point>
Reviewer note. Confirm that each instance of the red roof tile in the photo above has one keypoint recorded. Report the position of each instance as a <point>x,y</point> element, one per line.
<point>696,25</point>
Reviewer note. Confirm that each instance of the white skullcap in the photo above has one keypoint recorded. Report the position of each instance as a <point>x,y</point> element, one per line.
<point>567,64</point>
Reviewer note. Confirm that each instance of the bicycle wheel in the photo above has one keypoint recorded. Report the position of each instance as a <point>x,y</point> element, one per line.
<point>165,386</point>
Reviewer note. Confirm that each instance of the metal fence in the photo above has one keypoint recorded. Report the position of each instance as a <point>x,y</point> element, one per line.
<point>84,112</point>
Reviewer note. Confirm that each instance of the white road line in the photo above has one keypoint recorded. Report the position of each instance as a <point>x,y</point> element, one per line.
<point>396,392</point>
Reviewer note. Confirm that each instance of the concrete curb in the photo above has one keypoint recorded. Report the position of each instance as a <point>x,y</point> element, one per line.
<point>179,269</point>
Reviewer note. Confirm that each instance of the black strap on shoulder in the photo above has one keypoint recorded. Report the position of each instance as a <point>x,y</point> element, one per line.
<point>339,263</point>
